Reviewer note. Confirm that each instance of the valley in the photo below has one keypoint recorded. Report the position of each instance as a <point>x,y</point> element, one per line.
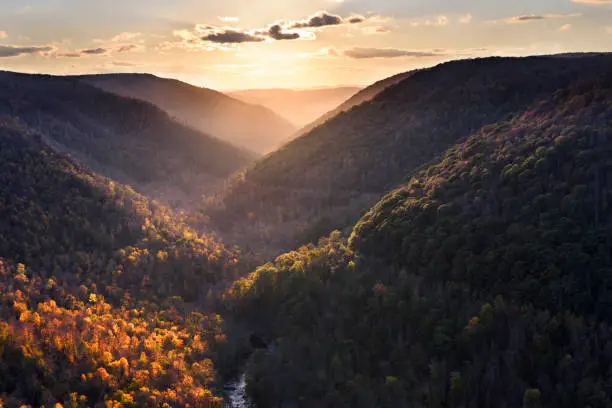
<point>440,238</point>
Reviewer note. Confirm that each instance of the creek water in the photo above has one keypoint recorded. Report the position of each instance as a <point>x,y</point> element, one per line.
<point>236,393</point>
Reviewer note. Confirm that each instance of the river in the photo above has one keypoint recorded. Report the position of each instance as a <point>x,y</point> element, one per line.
<point>236,393</point>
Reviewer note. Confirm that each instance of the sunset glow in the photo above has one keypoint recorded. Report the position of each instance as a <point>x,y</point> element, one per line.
<point>234,45</point>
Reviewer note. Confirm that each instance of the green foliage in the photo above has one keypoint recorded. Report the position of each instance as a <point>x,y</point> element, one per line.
<point>482,282</point>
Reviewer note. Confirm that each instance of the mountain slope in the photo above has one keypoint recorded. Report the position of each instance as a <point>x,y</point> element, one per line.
<point>300,107</point>
<point>59,216</point>
<point>252,127</point>
<point>484,281</point>
<point>128,140</point>
<point>99,288</point>
<point>364,95</point>
<point>328,177</point>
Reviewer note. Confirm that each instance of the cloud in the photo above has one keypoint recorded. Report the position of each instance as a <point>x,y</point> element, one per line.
<point>228,19</point>
<point>435,21</point>
<point>126,36</point>
<point>465,19</point>
<point>276,33</point>
<point>532,17</point>
<point>17,51</point>
<point>231,36</point>
<point>3,35</point>
<point>95,51</point>
<point>122,38</point>
<point>527,18</point>
<point>128,48</point>
<point>103,50</point>
<point>356,20</point>
<point>321,19</point>
<point>376,30</point>
<point>367,53</point>
<point>123,64</point>
<point>69,54</point>
<point>279,31</point>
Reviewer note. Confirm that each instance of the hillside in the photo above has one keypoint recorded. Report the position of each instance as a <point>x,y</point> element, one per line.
<point>299,106</point>
<point>94,281</point>
<point>57,215</point>
<point>130,141</point>
<point>483,281</point>
<point>330,176</point>
<point>362,96</point>
<point>249,126</point>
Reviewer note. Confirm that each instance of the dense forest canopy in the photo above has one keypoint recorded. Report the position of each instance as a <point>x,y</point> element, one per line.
<point>100,288</point>
<point>484,281</point>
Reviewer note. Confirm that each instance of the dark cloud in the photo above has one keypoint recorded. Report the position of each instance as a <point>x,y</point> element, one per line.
<point>94,51</point>
<point>276,33</point>
<point>15,51</point>
<point>127,48</point>
<point>364,53</point>
<point>230,36</point>
<point>321,19</point>
<point>70,54</point>
<point>528,18</point>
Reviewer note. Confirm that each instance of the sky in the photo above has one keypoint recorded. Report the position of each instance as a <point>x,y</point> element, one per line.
<point>241,44</point>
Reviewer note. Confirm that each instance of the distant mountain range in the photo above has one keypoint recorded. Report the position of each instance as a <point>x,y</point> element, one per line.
<point>362,96</point>
<point>252,127</point>
<point>299,106</point>
<point>129,140</point>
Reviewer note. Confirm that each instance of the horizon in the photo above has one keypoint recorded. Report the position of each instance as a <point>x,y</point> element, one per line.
<point>361,86</point>
<point>296,45</point>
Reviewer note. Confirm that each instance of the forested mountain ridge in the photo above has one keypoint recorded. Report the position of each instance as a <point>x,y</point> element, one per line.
<point>249,126</point>
<point>102,289</point>
<point>330,176</point>
<point>59,216</point>
<point>483,281</point>
<point>131,141</point>
<point>364,95</point>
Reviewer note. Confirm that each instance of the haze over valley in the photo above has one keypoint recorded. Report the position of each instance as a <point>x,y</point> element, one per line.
<point>309,204</point>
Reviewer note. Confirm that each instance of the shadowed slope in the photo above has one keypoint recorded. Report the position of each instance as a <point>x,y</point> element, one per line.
<point>248,126</point>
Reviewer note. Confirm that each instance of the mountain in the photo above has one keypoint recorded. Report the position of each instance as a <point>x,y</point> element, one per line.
<point>330,176</point>
<point>58,215</point>
<point>362,96</point>
<point>252,127</point>
<point>100,288</point>
<point>128,140</point>
<point>481,281</point>
<point>299,106</point>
